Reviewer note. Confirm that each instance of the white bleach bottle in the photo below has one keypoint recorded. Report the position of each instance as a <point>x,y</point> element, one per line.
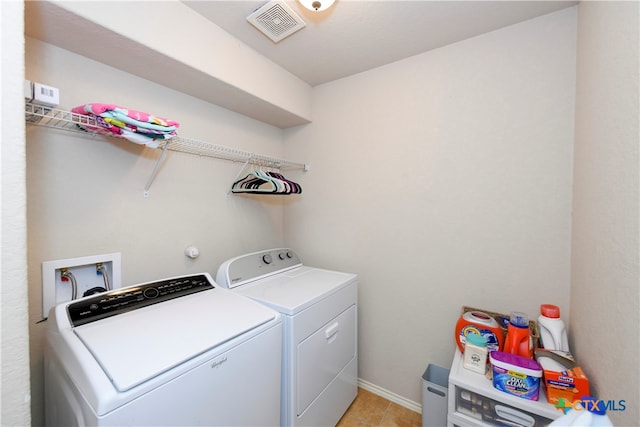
<point>553,335</point>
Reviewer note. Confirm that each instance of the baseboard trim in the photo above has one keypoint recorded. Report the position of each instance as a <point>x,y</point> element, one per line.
<point>395,398</point>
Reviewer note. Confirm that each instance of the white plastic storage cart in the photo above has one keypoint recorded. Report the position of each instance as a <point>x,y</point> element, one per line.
<point>474,402</point>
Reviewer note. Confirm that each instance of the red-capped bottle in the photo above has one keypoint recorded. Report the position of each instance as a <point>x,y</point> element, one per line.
<point>553,334</point>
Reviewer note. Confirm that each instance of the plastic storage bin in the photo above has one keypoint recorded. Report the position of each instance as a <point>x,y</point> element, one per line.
<point>474,402</point>
<point>435,391</point>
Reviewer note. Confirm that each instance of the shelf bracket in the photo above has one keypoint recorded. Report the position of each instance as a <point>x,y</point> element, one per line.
<point>240,173</point>
<point>155,170</point>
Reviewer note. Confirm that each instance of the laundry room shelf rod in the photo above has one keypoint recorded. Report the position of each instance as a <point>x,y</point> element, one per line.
<point>68,121</point>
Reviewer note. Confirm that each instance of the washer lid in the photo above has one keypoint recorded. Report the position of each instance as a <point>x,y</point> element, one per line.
<point>136,346</point>
<point>294,290</point>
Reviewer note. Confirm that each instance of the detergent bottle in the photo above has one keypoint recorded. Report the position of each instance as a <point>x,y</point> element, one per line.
<point>518,339</point>
<point>553,334</point>
<point>480,323</point>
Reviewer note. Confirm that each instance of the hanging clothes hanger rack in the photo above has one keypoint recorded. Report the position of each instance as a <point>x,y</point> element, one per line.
<point>257,181</point>
<point>72,122</point>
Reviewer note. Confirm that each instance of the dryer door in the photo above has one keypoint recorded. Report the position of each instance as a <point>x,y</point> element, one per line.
<point>323,355</point>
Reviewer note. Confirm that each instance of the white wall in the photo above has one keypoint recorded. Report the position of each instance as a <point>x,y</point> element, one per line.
<point>605,281</point>
<point>443,180</point>
<point>85,195</point>
<point>15,339</point>
<point>446,167</point>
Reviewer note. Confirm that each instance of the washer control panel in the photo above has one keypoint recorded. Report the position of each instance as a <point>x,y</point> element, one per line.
<point>120,301</point>
<point>247,268</point>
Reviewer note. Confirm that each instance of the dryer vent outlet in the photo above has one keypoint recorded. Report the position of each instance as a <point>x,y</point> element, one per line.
<point>276,20</point>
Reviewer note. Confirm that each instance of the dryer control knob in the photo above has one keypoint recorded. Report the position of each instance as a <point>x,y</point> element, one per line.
<point>282,255</point>
<point>289,254</point>
<point>151,293</point>
<point>267,259</point>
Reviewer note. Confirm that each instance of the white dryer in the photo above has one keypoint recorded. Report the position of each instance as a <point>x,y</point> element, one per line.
<point>174,352</point>
<point>319,308</point>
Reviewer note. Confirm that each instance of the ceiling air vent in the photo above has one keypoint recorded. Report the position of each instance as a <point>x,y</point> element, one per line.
<point>276,20</point>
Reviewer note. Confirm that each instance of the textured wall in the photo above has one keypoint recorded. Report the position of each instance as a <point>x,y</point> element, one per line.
<point>605,281</point>
<point>15,336</point>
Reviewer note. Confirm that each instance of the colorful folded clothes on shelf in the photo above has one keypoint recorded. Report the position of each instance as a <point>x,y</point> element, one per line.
<point>135,126</point>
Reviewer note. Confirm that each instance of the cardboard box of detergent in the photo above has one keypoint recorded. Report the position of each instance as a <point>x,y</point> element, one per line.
<point>563,378</point>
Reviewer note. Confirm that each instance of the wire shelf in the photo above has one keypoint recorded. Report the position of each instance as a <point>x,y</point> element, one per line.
<point>66,120</point>
<point>79,123</point>
<point>201,148</point>
<point>58,119</point>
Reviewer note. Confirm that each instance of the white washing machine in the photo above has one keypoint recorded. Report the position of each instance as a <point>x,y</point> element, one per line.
<point>319,308</point>
<point>175,352</point>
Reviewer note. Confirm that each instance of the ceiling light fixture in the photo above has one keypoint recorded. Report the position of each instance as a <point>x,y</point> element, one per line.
<point>317,5</point>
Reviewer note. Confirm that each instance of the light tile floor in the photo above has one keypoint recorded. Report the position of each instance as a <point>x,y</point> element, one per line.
<point>371,410</point>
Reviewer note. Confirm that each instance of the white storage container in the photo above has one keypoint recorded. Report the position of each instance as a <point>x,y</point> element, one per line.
<point>474,402</point>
